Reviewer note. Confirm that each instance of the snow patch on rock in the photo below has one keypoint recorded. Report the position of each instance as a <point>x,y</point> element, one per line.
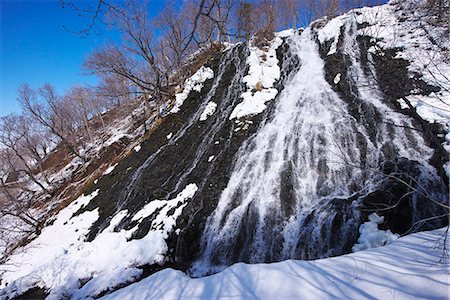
<point>263,73</point>
<point>337,78</point>
<point>210,108</point>
<point>371,236</point>
<point>109,169</point>
<point>195,82</point>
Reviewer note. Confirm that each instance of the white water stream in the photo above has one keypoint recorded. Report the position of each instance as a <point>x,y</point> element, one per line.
<point>280,201</point>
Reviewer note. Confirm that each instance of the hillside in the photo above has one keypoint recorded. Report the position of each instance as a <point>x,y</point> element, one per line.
<point>292,149</point>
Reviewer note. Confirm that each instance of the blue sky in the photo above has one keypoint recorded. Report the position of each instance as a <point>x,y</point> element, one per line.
<point>35,48</point>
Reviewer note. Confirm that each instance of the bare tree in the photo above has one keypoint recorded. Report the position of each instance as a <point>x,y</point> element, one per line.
<point>16,201</point>
<point>81,99</point>
<point>114,90</point>
<point>288,12</point>
<point>13,138</point>
<point>319,8</point>
<point>50,113</point>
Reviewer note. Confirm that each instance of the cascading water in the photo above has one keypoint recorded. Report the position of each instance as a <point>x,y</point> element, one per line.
<point>135,191</point>
<point>294,184</point>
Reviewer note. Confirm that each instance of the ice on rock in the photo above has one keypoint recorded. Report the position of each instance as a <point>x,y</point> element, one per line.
<point>401,270</point>
<point>337,78</point>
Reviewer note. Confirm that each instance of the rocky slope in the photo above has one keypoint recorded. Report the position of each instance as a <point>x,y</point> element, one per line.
<point>268,154</point>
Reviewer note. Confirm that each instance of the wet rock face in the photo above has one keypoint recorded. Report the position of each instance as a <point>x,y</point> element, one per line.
<point>170,164</point>
<point>209,152</point>
<point>406,196</point>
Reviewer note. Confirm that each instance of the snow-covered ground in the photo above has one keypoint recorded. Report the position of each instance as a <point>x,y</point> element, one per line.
<point>61,258</point>
<point>121,126</point>
<point>409,268</point>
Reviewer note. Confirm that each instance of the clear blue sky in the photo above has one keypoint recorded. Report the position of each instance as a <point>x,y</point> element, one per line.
<point>35,48</point>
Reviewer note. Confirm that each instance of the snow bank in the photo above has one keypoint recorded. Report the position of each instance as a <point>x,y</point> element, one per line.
<point>60,258</point>
<point>39,263</point>
<point>285,33</point>
<point>337,78</point>
<point>332,29</point>
<point>195,82</point>
<point>406,269</point>
<point>371,236</point>
<point>263,73</point>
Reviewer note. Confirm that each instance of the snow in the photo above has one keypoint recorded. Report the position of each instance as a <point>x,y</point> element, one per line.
<point>208,111</point>
<point>165,206</point>
<point>253,103</point>
<point>409,268</point>
<point>67,171</point>
<point>263,73</point>
<point>337,78</point>
<point>109,169</point>
<point>35,263</point>
<point>432,107</point>
<point>407,27</point>
<point>195,82</point>
<point>332,30</point>
<point>60,258</point>
<point>371,236</point>
<point>285,33</point>
<point>137,148</point>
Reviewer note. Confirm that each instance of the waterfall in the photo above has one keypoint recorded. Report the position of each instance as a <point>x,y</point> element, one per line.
<point>134,193</point>
<point>294,183</point>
